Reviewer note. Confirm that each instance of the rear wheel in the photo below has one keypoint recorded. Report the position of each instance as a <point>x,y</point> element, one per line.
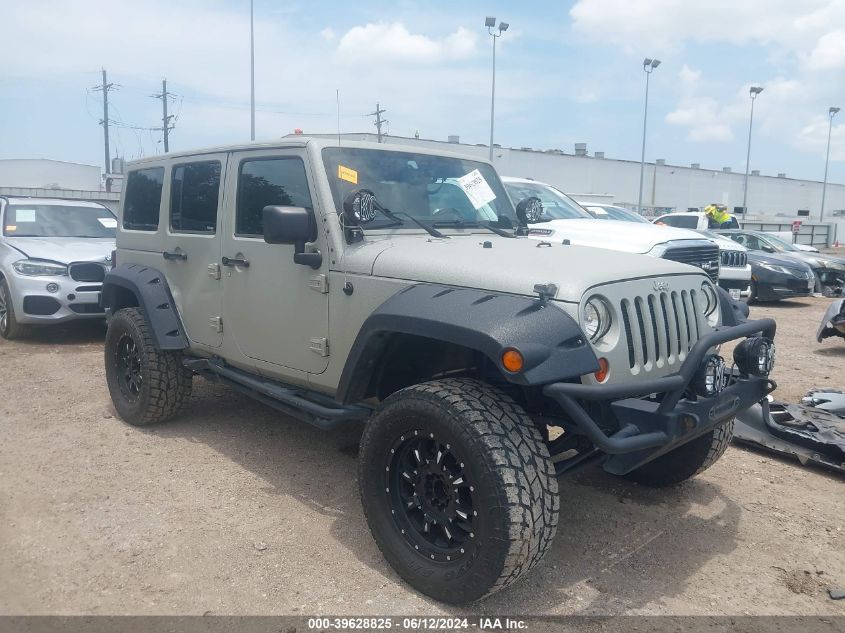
<point>147,385</point>
<point>10,329</point>
<point>458,488</point>
<point>686,461</point>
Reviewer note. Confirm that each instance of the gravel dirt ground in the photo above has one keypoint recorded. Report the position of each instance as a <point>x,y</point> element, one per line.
<point>233,509</point>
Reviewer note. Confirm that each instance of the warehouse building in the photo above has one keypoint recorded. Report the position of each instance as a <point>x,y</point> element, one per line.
<point>774,199</point>
<point>45,178</point>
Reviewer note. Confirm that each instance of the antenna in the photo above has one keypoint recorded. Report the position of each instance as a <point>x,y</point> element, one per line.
<point>337,96</point>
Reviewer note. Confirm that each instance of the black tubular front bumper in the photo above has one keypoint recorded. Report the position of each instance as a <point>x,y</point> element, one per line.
<point>649,427</point>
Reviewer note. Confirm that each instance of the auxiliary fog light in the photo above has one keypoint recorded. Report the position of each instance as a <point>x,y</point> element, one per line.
<point>52,287</point>
<point>710,377</point>
<point>755,356</point>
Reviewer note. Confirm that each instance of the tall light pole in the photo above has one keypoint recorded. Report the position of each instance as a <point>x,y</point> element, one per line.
<point>831,114</point>
<point>753,92</point>
<point>251,72</point>
<point>490,23</point>
<point>648,66</point>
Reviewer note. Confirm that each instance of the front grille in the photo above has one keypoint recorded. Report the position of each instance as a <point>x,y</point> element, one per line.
<point>704,257</point>
<point>87,271</point>
<point>734,259</point>
<point>660,328</point>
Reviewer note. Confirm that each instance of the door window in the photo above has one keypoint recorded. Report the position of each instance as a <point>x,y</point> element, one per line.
<point>266,182</point>
<point>194,195</point>
<point>143,199</point>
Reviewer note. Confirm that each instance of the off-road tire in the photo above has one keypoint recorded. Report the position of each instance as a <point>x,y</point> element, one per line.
<point>165,384</point>
<point>515,490</point>
<point>11,329</point>
<point>686,461</point>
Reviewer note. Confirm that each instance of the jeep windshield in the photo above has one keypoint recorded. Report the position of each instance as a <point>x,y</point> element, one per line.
<point>439,191</point>
<point>58,220</point>
<point>556,204</point>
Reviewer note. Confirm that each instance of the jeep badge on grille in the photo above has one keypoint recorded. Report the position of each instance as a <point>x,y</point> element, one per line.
<point>661,286</point>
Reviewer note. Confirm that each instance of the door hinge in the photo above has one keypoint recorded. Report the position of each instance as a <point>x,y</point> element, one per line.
<point>320,283</point>
<point>214,271</point>
<point>216,323</point>
<point>320,346</point>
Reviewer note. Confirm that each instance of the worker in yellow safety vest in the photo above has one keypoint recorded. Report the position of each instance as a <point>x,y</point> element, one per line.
<point>717,215</point>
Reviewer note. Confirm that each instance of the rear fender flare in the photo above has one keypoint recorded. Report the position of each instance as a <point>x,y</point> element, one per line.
<point>130,285</point>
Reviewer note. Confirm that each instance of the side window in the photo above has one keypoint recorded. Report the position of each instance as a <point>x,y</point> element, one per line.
<point>194,193</point>
<point>681,221</point>
<point>265,182</point>
<point>143,199</point>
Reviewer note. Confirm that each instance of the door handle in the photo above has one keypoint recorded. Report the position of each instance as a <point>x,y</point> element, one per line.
<point>174,256</point>
<point>228,261</point>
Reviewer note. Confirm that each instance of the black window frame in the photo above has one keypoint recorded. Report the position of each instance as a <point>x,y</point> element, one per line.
<point>244,161</point>
<point>173,169</point>
<point>129,176</point>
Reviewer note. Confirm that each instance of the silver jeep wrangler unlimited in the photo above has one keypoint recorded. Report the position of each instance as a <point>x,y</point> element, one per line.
<point>345,283</point>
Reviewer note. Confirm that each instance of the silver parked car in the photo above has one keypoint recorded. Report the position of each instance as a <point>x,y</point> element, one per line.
<point>53,257</point>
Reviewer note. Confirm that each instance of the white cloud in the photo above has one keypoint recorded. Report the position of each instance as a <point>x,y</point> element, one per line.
<point>649,26</point>
<point>814,137</point>
<point>392,42</point>
<point>327,34</point>
<point>829,52</point>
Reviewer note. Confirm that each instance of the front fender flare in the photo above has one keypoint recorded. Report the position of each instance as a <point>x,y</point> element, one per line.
<point>551,342</point>
<point>145,287</point>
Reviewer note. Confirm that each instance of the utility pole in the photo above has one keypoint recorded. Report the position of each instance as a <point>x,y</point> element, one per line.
<point>165,119</point>
<point>105,87</point>
<point>379,121</point>
<point>831,113</point>
<point>251,70</point>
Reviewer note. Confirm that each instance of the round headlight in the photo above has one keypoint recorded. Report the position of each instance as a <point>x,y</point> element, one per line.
<point>710,300</point>
<point>755,356</point>
<point>596,320</point>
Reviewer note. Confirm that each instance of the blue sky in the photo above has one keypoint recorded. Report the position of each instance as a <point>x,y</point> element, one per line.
<point>567,72</point>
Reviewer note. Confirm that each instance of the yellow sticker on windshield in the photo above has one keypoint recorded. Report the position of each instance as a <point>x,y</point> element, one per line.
<point>347,174</point>
<point>11,227</point>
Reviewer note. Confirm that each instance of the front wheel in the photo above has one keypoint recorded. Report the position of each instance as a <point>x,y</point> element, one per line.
<point>458,488</point>
<point>686,461</point>
<point>10,329</point>
<point>147,385</point>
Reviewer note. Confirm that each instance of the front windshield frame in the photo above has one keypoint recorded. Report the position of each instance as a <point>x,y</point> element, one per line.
<point>411,183</point>
<point>572,210</point>
<point>52,221</point>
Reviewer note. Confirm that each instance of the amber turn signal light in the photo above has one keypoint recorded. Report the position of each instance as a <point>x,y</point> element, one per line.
<point>604,370</point>
<point>512,360</point>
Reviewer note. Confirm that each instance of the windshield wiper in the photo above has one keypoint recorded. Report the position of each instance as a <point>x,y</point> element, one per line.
<point>483,225</point>
<point>393,215</point>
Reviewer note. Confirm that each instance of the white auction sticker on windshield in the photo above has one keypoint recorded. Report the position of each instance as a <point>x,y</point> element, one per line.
<point>25,215</point>
<point>476,189</point>
<point>109,223</point>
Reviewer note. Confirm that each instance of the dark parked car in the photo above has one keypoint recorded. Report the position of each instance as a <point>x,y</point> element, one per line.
<point>828,269</point>
<point>775,277</point>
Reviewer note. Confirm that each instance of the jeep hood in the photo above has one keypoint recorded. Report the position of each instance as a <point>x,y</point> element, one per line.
<point>629,237</point>
<point>63,249</point>
<point>508,265</point>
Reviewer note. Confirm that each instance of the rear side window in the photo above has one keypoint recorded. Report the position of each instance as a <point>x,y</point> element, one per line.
<point>143,199</point>
<point>681,221</point>
<point>266,182</point>
<point>194,194</point>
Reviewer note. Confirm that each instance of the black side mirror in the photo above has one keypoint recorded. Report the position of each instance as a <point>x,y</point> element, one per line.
<point>292,225</point>
<point>768,249</point>
<point>529,210</point>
